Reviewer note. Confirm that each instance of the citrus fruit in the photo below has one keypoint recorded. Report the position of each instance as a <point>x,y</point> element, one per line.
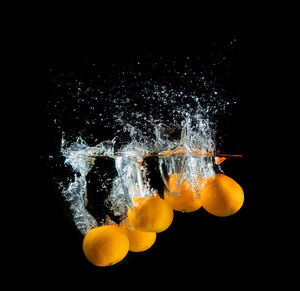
<point>152,214</point>
<point>183,197</point>
<point>139,241</point>
<point>105,245</point>
<point>222,196</point>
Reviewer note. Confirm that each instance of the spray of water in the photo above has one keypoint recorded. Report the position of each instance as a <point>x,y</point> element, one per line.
<point>175,146</point>
<point>133,120</point>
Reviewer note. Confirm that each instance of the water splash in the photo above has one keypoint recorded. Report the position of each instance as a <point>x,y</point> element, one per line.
<point>134,122</point>
<point>76,192</point>
<point>131,179</point>
<point>196,137</point>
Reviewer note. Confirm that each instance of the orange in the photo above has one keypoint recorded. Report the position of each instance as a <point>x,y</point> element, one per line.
<point>183,197</point>
<point>222,196</point>
<point>105,245</point>
<point>139,241</point>
<point>152,214</point>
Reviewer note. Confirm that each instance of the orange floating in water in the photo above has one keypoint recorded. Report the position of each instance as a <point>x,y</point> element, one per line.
<point>184,197</point>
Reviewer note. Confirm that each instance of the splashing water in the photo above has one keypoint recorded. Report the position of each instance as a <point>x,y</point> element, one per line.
<point>76,193</point>
<point>158,121</point>
<point>132,180</point>
<point>187,159</point>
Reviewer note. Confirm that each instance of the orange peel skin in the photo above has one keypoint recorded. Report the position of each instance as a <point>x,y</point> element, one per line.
<point>222,196</point>
<point>150,214</point>
<point>184,197</point>
<point>105,245</point>
<point>139,241</point>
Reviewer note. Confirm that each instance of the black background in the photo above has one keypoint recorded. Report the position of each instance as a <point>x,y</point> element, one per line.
<point>198,247</point>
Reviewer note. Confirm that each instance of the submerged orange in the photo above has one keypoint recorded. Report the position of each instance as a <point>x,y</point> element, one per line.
<point>222,196</point>
<point>139,241</point>
<point>184,197</point>
<point>105,245</point>
<point>151,214</point>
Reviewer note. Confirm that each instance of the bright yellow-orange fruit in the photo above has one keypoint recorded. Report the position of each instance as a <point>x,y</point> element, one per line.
<point>183,197</point>
<point>150,214</point>
<point>105,245</point>
<point>222,196</point>
<point>139,241</point>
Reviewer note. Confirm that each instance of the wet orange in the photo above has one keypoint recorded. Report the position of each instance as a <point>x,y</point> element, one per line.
<point>222,196</point>
<point>151,214</point>
<point>105,245</point>
<point>139,241</point>
<point>184,197</point>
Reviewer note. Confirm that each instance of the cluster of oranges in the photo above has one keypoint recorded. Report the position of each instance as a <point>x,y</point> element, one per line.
<point>109,244</point>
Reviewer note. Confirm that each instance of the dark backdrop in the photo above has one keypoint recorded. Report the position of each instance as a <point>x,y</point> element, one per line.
<point>68,38</point>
